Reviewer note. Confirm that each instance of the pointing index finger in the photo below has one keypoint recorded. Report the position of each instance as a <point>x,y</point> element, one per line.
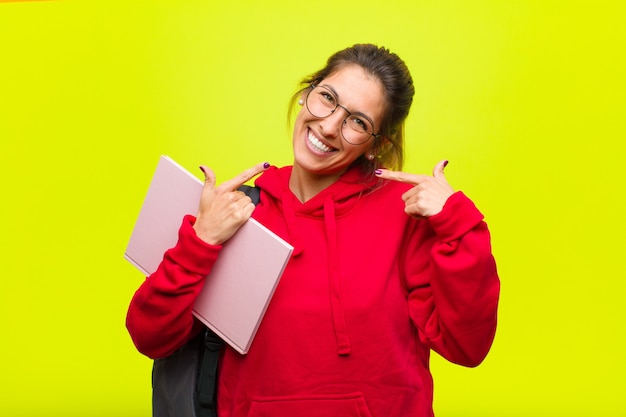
<point>244,177</point>
<point>400,176</point>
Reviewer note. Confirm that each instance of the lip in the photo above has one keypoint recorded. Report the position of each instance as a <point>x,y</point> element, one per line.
<point>319,146</point>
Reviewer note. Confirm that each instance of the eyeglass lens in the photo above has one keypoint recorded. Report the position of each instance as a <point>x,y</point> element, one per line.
<point>321,102</point>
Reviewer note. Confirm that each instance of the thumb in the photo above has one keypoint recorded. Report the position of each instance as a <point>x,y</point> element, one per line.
<point>209,176</point>
<point>438,170</point>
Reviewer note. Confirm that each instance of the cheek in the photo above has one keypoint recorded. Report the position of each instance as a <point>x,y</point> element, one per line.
<point>298,128</point>
<point>300,119</point>
<point>300,123</point>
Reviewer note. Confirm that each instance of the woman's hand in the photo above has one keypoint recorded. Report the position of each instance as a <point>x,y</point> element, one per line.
<point>223,209</point>
<point>429,193</point>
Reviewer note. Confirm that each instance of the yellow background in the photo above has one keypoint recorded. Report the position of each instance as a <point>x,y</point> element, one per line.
<point>525,98</point>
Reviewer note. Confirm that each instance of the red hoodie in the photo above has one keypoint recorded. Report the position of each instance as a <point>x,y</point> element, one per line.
<point>367,294</point>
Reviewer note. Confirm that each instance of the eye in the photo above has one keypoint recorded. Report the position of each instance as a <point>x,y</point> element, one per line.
<point>328,97</point>
<point>360,124</point>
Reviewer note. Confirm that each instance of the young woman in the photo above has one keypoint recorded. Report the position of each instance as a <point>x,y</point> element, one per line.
<point>387,265</point>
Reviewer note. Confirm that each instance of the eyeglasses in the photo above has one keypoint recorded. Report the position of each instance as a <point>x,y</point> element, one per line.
<point>356,128</point>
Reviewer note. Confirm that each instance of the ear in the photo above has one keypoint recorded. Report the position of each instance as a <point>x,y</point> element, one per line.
<point>381,145</point>
<point>302,98</point>
<point>374,149</point>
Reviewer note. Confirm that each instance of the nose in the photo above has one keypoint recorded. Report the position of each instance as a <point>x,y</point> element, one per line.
<point>331,126</point>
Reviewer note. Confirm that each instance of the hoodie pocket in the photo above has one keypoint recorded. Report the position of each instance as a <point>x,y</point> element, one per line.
<point>346,405</point>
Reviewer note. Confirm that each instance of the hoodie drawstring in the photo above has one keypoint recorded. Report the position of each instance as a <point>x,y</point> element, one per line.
<point>290,218</point>
<point>339,318</point>
<point>334,279</point>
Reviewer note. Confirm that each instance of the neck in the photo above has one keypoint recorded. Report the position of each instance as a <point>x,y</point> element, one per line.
<point>306,185</point>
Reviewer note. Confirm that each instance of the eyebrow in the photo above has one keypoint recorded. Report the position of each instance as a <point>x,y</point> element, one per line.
<point>356,113</point>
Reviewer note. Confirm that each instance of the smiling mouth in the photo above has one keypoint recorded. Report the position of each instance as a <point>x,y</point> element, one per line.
<point>317,144</point>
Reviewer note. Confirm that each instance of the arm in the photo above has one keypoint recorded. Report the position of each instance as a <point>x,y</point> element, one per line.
<point>453,283</point>
<point>159,318</point>
<point>450,272</point>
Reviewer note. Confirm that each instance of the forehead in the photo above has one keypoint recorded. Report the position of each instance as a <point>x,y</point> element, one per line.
<point>358,91</point>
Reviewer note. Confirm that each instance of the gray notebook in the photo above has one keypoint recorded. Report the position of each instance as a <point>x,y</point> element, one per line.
<point>240,286</point>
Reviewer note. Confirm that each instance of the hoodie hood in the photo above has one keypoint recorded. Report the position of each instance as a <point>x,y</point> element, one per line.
<point>331,203</point>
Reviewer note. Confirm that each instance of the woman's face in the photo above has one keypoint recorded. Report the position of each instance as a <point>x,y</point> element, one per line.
<point>318,144</point>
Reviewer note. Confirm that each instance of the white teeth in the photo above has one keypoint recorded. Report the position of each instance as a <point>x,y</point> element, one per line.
<point>317,144</point>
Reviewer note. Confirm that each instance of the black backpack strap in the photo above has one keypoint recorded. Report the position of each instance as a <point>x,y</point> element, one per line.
<point>210,350</point>
<point>206,385</point>
<point>253,192</point>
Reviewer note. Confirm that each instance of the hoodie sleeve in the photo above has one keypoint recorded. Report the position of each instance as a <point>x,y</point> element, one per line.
<point>453,283</point>
<point>159,317</point>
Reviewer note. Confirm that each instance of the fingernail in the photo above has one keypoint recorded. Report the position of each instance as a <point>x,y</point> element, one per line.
<point>202,169</point>
<point>378,172</point>
<point>445,163</point>
<point>266,165</point>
